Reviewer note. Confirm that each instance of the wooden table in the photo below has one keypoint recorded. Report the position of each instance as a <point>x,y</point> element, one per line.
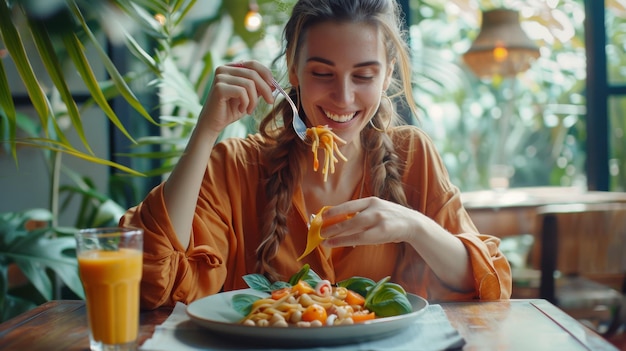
<point>500,325</point>
<point>513,211</point>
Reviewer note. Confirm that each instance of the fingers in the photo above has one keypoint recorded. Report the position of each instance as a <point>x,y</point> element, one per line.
<point>256,73</point>
<point>375,221</point>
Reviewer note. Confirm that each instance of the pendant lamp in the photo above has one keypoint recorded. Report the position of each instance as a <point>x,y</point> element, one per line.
<point>501,48</point>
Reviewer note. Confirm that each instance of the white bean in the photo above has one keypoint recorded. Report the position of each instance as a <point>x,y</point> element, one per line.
<point>296,317</point>
<point>316,323</point>
<point>276,318</point>
<point>347,321</point>
<point>330,320</point>
<point>280,323</point>
<point>306,300</point>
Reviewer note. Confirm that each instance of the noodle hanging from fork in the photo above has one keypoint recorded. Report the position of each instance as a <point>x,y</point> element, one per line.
<point>322,136</point>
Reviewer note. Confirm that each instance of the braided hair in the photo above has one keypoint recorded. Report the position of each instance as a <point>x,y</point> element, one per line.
<point>287,155</point>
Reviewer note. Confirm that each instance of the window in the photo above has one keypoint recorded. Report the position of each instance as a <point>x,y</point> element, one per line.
<point>554,125</point>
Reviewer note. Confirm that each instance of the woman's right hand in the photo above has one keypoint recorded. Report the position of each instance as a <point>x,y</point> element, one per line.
<point>236,90</point>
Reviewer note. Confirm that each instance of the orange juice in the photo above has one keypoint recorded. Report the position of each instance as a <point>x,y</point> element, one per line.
<point>111,283</point>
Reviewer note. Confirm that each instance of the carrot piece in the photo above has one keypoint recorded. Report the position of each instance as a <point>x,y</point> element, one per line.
<point>280,293</point>
<point>315,312</point>
<point>362,317</point>
<point>302,287</point>
<point>354,298</point>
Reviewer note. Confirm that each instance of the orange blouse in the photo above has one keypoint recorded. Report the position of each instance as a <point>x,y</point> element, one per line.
<point>226,231</point>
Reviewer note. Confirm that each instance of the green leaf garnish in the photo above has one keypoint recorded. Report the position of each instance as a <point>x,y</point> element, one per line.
<point>242,303</point>
<point>359,285</point>
<point>389,302</point>
<point>387,299</point>
<point>258,282</point>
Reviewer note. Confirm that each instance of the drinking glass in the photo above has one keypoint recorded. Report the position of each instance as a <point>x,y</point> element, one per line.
<point>109,264</point>
<point>500,177</point>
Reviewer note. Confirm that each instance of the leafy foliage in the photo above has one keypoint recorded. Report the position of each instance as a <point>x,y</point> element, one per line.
<point>27,241</point>
<point>534,121</point>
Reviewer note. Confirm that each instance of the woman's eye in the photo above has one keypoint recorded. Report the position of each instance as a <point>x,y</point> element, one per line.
<point>321,74</point>
<point>364,77</point>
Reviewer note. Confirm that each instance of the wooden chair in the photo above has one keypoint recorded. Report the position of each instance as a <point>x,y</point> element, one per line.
<point>583,260</point>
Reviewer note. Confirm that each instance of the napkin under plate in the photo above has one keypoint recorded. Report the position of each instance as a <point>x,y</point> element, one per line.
<point>431,332</point>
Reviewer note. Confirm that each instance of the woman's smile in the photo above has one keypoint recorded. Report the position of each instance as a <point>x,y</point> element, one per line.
<point>340,117</point>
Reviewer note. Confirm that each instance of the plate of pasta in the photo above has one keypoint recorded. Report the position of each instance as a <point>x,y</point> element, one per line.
<point>221,314</point>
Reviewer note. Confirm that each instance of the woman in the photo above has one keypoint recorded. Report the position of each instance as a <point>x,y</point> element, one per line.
<point>242,206</point>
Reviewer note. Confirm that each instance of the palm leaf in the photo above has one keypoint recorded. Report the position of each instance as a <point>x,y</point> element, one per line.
<point>141,54</point>
<point>53,145</point>
<point>53,66</point>
<point>8,109</point>
<point>75,52</point>
<point>13,42</point>
<point>186,6</point>
<point>117,78</point>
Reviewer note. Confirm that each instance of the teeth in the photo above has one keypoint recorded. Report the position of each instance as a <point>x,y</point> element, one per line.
<point>339,118</point>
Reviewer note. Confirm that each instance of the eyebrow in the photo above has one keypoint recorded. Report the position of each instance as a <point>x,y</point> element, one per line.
<point>331,63</point>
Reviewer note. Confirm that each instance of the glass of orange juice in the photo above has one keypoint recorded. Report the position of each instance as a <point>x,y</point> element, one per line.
<point>109,264</point>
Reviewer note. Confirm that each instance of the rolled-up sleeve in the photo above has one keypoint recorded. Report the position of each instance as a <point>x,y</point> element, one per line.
<point>492,278</point>
<point>171,273</point>
<point>433,194</point>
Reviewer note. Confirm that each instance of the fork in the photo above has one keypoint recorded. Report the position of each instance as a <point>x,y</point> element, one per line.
<point>298,125</point>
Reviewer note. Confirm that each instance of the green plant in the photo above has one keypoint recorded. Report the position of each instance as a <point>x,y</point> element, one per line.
<point>174,56</point>
<point>28,243</point>
<point>544,105</point>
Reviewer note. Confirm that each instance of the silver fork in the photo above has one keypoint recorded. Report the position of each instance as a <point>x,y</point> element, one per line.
<point>298,124</point>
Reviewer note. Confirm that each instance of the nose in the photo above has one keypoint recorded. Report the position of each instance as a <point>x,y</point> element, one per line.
<point>343,92</point>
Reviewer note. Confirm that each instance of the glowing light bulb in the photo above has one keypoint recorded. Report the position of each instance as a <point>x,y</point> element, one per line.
<point>500,53</point>
<point>253,21</point>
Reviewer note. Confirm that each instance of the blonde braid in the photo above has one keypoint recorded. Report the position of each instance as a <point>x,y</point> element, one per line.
<point>284,159</point>
<point>382,159</point>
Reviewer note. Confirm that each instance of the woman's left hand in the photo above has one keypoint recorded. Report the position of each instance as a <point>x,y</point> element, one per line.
<point>374,221</point>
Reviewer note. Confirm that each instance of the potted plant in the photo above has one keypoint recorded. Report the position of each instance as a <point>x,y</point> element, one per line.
<point>60,36</point>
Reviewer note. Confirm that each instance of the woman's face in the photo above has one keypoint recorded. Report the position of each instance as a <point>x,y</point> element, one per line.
<point>341,71</point>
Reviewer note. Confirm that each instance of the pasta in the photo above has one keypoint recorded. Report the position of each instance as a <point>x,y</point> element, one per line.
<point>322,136</point>
<point>314,239</point>
<point>304,306</point>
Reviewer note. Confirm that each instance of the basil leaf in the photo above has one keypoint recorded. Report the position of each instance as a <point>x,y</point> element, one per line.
<point>312,278</point>
<point>279,285</point>
<point>375,289</point>
<point>390,285</point>
<point>389,301</point>
<point>258,282</point>
<point>359,285</point>
<point>303,272</point>
<point>242,303</point>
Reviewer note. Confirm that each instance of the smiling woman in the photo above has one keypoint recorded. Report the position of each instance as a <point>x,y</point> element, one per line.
<point>242,206</point>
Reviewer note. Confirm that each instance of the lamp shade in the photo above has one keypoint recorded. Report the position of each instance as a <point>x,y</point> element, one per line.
<point>501,47</point>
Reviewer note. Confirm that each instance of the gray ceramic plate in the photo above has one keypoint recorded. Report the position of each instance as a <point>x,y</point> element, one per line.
<point>216,313</point>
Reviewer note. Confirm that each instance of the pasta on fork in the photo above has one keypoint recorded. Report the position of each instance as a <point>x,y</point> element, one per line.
<point>322,136</point>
